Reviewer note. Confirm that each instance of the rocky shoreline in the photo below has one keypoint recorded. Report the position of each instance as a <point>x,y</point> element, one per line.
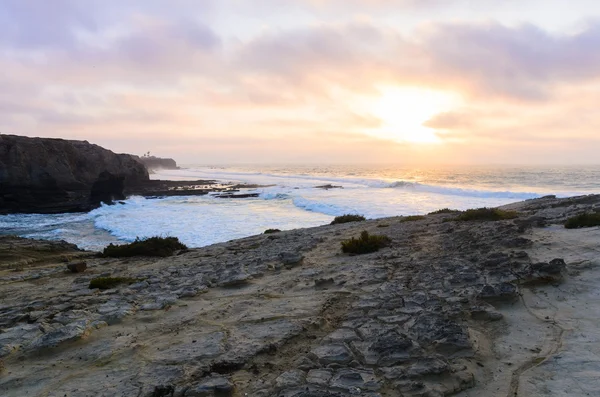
<point>448,308</point>
<point>51,176</point>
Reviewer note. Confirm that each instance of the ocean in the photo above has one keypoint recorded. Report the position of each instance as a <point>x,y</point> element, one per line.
<point>291,200</point>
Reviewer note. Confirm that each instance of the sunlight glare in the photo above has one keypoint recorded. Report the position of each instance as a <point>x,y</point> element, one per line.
<point>404,110</point>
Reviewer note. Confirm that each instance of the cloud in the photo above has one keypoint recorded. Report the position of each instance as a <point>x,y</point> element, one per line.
<point>522,62</point>
<point>145,70</point>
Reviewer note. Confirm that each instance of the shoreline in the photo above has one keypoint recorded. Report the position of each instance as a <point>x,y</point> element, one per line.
<point>289,314</point>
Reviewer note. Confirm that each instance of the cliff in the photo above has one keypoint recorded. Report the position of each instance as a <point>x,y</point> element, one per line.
<point>45,175</point>
<point>153,163</point>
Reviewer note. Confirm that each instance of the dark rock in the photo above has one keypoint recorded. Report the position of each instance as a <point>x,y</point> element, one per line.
<point>556,266</point>
<point>485,312</point>
<point>107,188</point>
<point>329,186</point>
<point>318,393</point>
<point>157,163</point>
<point>290,378</point>
<point>351,380</point>
<point>78,267</point>
<point>70,332</point>
<point>324,282</point>
<point>518,242</point>
<point>216,386</point>
<point>532,221</point>
<point>163,391</point>
<point>319,376</point>
<point>499,292</point>
<point>233,278</point>
<point>45,175</point>
<point>495,259</point>
<point>428,366</point>
<point>389,349</point>
<point>445,335</point>
<point>334,353</point>
<point>241,195</point>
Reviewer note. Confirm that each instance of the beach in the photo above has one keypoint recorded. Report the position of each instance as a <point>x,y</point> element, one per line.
<point>449,307</point>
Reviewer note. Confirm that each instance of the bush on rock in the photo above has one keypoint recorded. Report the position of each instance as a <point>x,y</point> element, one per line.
<point>153,246</point>
<point>365,244</point>
<point>347,218</point>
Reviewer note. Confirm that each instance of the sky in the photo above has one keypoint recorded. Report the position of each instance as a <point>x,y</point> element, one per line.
<point>308,81</point>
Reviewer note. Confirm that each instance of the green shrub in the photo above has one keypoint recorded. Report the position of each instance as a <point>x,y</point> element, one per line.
<point>583,220</point>
<point>270,231</point>
<point>347,218</point>
<point>443,211</point>
<point>365,243</point>
<point>111,282</point>
<point>412,218</point>
<point>486,214</point>
<point>153,246</point>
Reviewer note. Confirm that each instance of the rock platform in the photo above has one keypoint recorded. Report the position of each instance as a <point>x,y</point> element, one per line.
<point>287,314</point>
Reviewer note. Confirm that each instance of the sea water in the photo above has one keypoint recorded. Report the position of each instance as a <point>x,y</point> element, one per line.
<point>290,199</point>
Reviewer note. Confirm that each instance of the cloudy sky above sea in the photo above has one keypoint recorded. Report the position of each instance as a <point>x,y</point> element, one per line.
<point>272,81</point>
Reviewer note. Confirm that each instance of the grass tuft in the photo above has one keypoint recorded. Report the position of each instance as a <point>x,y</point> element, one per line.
<point>153,246</point>
<point>110,282</point>
<point>365,244</point>
<point>486,214</point>
<point>443,211</point>
<point>347,218</point>
<point>583,220</point>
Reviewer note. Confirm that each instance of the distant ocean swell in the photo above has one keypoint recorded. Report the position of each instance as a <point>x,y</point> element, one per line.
<point>464,192</point>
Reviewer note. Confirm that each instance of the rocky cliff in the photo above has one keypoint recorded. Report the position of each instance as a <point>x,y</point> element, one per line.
<point>153,163</point>
<point>55,175</point>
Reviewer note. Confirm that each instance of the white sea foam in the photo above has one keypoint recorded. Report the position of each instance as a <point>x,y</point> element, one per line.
<point>199,221</point>
<point>463,192</point>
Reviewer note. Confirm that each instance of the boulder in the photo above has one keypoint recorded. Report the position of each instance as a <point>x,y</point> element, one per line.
<point>291,259</point>
<point>78,267</point>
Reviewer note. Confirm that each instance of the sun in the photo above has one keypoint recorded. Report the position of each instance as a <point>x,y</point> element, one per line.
<point>404,110</point>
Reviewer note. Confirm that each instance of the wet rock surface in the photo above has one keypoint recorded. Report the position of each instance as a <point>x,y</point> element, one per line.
<point>290,316</point>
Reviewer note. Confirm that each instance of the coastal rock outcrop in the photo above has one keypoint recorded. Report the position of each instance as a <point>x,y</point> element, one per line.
<point>47,175</point>
<point>155,163</point>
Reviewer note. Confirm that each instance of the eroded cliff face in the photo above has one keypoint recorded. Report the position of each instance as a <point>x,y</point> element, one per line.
<point>48,175</point>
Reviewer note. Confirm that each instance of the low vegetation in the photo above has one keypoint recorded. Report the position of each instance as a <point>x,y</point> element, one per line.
<point>365,244</point>
<point>271,231</point>
<point>444,211</point>
<point>347,218</point>
<point>412,218</point>
<point>153,246</point>
<point>486,214</point>
<point>589,219</point>
<point>111,282</point>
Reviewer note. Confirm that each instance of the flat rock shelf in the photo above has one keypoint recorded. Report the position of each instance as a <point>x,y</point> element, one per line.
<point>504,308</point>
